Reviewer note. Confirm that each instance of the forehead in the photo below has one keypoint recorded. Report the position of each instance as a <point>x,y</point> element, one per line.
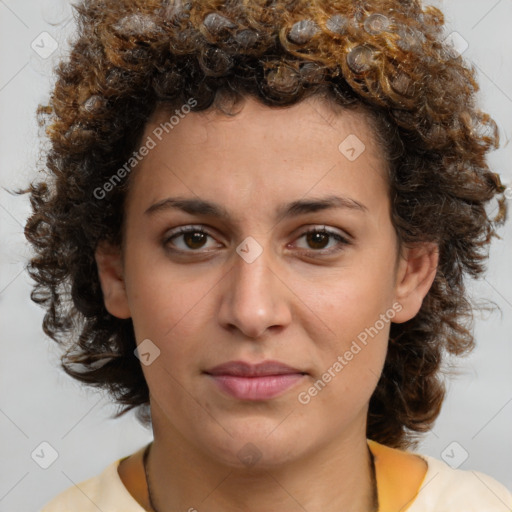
<point>307,148</point>
<point>309,119</point>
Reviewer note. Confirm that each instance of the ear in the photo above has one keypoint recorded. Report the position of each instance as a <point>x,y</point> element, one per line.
<point>111,275</point>
<point>416,272</point>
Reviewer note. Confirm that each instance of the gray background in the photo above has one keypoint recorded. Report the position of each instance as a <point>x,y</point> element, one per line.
<point>38,402</point>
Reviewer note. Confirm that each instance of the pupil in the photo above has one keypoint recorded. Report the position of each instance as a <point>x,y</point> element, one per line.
<point>195,237</point>
<point>317,239</point>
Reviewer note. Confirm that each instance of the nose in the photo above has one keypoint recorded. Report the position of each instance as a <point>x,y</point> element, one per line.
<point>255,297</point>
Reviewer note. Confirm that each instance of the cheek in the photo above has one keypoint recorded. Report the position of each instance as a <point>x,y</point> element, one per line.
<point>171,307</point>
<point>350,327</point>
<point>351,356</point>
<point>162,296</point>
<point>350,300</point>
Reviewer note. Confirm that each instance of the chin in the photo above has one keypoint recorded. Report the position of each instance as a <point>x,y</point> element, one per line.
<point>255,445</point>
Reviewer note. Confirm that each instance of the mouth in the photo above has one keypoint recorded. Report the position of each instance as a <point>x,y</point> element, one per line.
<point>262,381</point>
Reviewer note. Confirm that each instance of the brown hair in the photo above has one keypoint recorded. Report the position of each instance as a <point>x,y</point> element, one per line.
<point>385,56</point>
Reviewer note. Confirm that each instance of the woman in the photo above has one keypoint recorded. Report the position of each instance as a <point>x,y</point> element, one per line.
<point>255,230</point>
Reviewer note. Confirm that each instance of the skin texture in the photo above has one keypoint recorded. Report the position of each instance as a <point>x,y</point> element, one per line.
<point>294,303</point>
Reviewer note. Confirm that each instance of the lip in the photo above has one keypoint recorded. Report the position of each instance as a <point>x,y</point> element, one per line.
<point>244,369</point>
<point>261,381</point>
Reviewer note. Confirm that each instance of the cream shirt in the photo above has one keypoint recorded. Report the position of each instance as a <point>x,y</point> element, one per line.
<point>443,489</point>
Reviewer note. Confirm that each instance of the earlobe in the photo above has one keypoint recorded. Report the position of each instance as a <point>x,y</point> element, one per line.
<point>111,276</point>
<point>416,273</point>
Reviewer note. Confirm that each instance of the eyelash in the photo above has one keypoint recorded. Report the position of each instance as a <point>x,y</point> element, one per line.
<point>184,230</point>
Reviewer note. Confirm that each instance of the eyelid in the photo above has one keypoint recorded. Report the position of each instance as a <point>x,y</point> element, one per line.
<point>189,228</point>
<point>327,229</point>
<point>342,239</point>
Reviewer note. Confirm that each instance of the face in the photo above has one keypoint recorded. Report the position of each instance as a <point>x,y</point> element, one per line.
<point>294,259</point>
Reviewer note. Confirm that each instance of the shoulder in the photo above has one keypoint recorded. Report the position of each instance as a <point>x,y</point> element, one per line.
<point>413,482</point>
<point>104,492</point>
<point>445,489</point>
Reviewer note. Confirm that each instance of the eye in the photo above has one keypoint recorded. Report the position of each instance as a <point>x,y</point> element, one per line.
<point>193,238</point>
<point>319,238</point>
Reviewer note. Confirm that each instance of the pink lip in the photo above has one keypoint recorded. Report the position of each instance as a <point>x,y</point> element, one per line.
<point>254,382</point>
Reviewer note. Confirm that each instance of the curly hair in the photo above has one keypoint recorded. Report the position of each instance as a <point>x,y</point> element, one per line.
<point>386,57</point>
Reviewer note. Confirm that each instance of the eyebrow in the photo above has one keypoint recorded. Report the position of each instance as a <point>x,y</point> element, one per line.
<point>293,209</point>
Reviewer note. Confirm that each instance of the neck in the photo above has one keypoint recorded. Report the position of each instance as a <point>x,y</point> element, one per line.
<point>336,477</point>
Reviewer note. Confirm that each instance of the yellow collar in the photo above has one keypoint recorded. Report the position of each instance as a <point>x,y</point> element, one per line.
<point>399,476</point>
